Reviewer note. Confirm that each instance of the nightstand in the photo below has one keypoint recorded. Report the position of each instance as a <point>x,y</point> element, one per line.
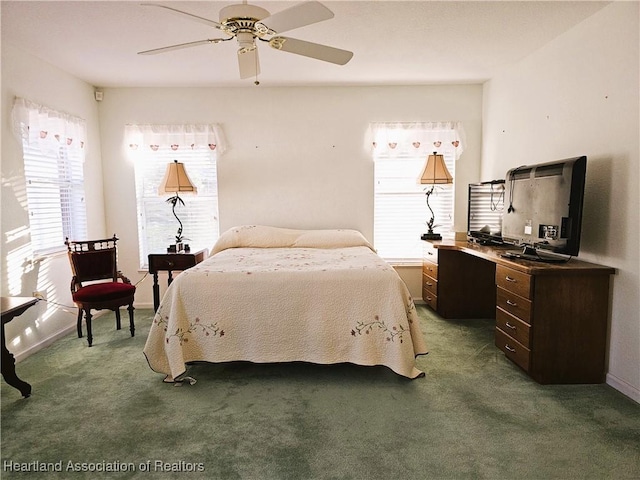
<point>171,262</point>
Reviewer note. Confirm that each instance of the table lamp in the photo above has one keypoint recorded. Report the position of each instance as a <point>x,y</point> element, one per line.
<point>176,181</point>
<point>435,173</point>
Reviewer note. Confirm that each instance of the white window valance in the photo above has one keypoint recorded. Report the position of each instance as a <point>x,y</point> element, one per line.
<point>419,138</point>
<point>175,136</point>
<point>42,127</point>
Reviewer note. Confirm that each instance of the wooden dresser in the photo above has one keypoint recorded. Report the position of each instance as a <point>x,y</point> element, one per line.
<point>551,319</point>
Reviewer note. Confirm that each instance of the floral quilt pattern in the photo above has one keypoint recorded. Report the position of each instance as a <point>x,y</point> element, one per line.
<point>319,305</point>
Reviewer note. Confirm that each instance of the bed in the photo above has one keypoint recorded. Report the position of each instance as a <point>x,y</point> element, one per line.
<point>270,294</point>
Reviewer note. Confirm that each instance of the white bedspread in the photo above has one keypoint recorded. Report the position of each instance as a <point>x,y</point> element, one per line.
<point>334,302</point>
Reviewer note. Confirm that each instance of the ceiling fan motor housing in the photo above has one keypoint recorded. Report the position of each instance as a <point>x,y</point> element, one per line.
<point>240,20</point>
<point>242,12</point>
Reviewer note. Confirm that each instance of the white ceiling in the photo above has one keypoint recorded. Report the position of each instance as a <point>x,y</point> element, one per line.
<point>394,42</point>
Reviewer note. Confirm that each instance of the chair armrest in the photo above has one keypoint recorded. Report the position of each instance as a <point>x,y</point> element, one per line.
<point>74,284</point>
<point>122,277</point>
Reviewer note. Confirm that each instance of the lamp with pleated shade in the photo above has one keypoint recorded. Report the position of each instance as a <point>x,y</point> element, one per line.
<point>176,180</point>
<point>435,172</point>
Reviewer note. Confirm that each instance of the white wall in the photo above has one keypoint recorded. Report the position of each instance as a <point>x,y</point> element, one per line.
<point>295,158</point>
<point>26,76</point>
<point>579,96</point>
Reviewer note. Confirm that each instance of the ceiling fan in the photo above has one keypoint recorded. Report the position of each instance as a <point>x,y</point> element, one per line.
<point>248,23</point>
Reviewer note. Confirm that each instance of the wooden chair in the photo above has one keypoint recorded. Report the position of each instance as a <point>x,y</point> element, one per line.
<point>97,283</point>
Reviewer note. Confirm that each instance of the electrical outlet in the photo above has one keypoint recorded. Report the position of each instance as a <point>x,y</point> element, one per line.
<point>39,295</point>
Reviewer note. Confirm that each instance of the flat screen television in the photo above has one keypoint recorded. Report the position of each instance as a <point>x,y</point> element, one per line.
<point>543,207</point>
<point>484,212</point>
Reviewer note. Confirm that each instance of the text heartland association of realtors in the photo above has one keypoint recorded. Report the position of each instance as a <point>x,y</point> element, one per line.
<point>104,466</point>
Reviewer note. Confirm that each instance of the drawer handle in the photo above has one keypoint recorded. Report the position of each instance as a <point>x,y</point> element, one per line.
<point>510,279</point>
<point>430,284</point>
<point>429,253</point>
<point>170,264</point>
<point>429,299</point>
<point>506,345</point>
<point>508,325</point>
<point>513,304</point>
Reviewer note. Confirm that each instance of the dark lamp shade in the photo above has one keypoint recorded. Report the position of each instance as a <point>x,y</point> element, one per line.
<point>435,171</point>
<point>176,180</point>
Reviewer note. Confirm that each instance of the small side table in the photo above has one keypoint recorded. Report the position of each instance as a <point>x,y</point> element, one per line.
<point>11,308</point>
<point>171,262</point>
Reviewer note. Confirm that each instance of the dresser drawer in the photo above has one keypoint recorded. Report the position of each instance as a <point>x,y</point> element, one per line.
<point>514,281</point>
<point>514,304</point>
<point>430,253</point>
<point>513,350</point>
<point>430,269</point>
<point>514,327</point>
<point>430,298</point>
<point>429,284</point>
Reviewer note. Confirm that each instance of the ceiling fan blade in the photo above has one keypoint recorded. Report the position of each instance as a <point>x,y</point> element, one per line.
<point>206,21</point>
<point>313,50</point>
<point>249,63</point>
<point>180,46</point>
<point>294,17</point>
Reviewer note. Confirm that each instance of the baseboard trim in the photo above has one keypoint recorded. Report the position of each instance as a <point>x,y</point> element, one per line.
<point>49,340</point>
<point>44,343</point>
<point>143,305</point>
<point>623,387</point>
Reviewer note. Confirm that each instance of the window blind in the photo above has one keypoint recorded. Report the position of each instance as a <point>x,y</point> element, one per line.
<point>486,205</point>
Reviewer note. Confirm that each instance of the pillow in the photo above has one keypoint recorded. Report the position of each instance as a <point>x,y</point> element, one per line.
<point>261,236</point>
<point>339,238</point>
<point>255,236</point>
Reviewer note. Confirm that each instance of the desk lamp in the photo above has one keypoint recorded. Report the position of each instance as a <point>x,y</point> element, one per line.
<point>435,173</point>
<point>175,181</point>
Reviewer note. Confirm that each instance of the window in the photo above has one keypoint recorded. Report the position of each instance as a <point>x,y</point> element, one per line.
<point>53,152</point>
<point>157,227</point>
<point>400,209</point>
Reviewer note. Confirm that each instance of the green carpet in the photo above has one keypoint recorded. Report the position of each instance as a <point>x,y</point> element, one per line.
<point>474,415</point>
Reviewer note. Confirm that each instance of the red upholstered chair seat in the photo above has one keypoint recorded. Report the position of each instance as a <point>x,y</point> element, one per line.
<point>104,292</point>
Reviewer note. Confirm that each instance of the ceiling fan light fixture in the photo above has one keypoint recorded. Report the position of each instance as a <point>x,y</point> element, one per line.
<point>246,42</point>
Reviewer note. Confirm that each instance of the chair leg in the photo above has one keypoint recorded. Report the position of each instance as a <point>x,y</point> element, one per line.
<point>79,323</point>
<point>88,319</point>
<point>118,324</point>
<point>131,325</point>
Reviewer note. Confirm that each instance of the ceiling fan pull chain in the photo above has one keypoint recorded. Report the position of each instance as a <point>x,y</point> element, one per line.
<point>256,83</point>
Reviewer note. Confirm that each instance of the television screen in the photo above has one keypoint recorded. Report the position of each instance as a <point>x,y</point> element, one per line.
<point>484,212</point>
<point>543,205</point>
